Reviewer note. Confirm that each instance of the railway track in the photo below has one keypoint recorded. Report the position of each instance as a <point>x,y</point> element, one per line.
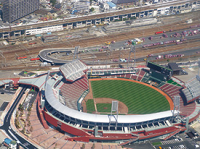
<point>11,51</point>
<point>195,42</point>
<point>140,51</point>
<point>102,15</point>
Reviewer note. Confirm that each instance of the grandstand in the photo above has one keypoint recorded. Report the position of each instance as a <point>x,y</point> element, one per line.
<point>60,104</point>
<point>192,89</point>
<point>71,91</point>
<point>73,70</point>
<point>171,90</point>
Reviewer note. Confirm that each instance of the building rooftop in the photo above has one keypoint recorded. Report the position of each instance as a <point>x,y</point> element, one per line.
<point>111,4</point>
<point>123,1</point>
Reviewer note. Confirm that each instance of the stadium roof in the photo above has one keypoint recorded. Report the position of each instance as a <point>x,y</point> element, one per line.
<point>191,91</point>
<point>37,81</point>
<point>73,70</point>
<point>2,82</point>
<point>51,99</point>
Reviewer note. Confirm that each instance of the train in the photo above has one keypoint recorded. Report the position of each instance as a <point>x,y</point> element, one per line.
<point>35,59</point>
<point>166,42</point>
<point>32,43</point>
<point>159,32</point>
<point>21,57</point>
<point>169,56</point>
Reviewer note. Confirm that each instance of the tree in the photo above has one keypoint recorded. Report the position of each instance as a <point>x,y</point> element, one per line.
<point>93,146</point>
<point>55,145</point>
<point>92,9</point>
<point>20,107</point>
<point>31,129</point>
<point>17,114</point>
<point>17,123</point>
<point>53,2</point>
<point>23,130</point>
<point>29,123</point>
<point>83,146</point>
<point>29,108</point>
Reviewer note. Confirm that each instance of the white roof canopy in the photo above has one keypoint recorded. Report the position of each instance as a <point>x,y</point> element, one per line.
<point>51,99</point>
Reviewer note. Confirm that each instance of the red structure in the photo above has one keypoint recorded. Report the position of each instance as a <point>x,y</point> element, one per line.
<point>74,126</point>
<point>159,32</point>
<point>21,57</point>
<point>35,59</point>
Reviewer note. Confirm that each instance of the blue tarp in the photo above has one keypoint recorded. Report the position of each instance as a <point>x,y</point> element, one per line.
<point>111,4</point>
<point>7,141</point>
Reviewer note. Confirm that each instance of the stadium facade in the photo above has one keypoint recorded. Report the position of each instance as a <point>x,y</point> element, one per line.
<point>62,92</point>
<point>15,9</point>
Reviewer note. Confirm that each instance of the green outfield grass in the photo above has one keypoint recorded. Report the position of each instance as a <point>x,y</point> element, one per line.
<point>139,99</point>
<point>90,106</point>
<point>104,107</point>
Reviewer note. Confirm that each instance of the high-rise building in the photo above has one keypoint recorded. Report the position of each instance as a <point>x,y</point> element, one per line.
<point>15,9</point>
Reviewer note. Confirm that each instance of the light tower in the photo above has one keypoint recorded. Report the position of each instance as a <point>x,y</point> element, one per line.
<point>113,119</point>
<point>76,52</point>
<point>176,105</point>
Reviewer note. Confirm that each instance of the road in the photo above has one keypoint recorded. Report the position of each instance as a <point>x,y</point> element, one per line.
<point>2,91</point>
<point>8,129</point>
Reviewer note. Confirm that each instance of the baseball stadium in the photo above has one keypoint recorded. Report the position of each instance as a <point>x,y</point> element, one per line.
<point>115,104</point>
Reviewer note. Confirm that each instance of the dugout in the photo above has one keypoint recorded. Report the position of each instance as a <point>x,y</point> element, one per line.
<point>175,68</point>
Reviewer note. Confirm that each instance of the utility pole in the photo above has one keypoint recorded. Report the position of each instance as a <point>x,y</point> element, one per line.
<point>132,50</point>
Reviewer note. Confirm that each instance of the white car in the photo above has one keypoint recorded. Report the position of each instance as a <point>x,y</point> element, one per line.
<point>181,146</point>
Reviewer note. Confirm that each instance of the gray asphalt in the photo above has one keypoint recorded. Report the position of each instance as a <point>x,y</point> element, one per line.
<point>8,129</point>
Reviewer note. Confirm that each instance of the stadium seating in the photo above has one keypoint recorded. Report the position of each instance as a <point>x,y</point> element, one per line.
<point>186,110</point>
<point>140,74</point>
<point>73,70</point>
<point>172,91</point>
<point>128,76</point>
<point>133,76</point>
<point>72,91</point>
<point>192,89</point>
